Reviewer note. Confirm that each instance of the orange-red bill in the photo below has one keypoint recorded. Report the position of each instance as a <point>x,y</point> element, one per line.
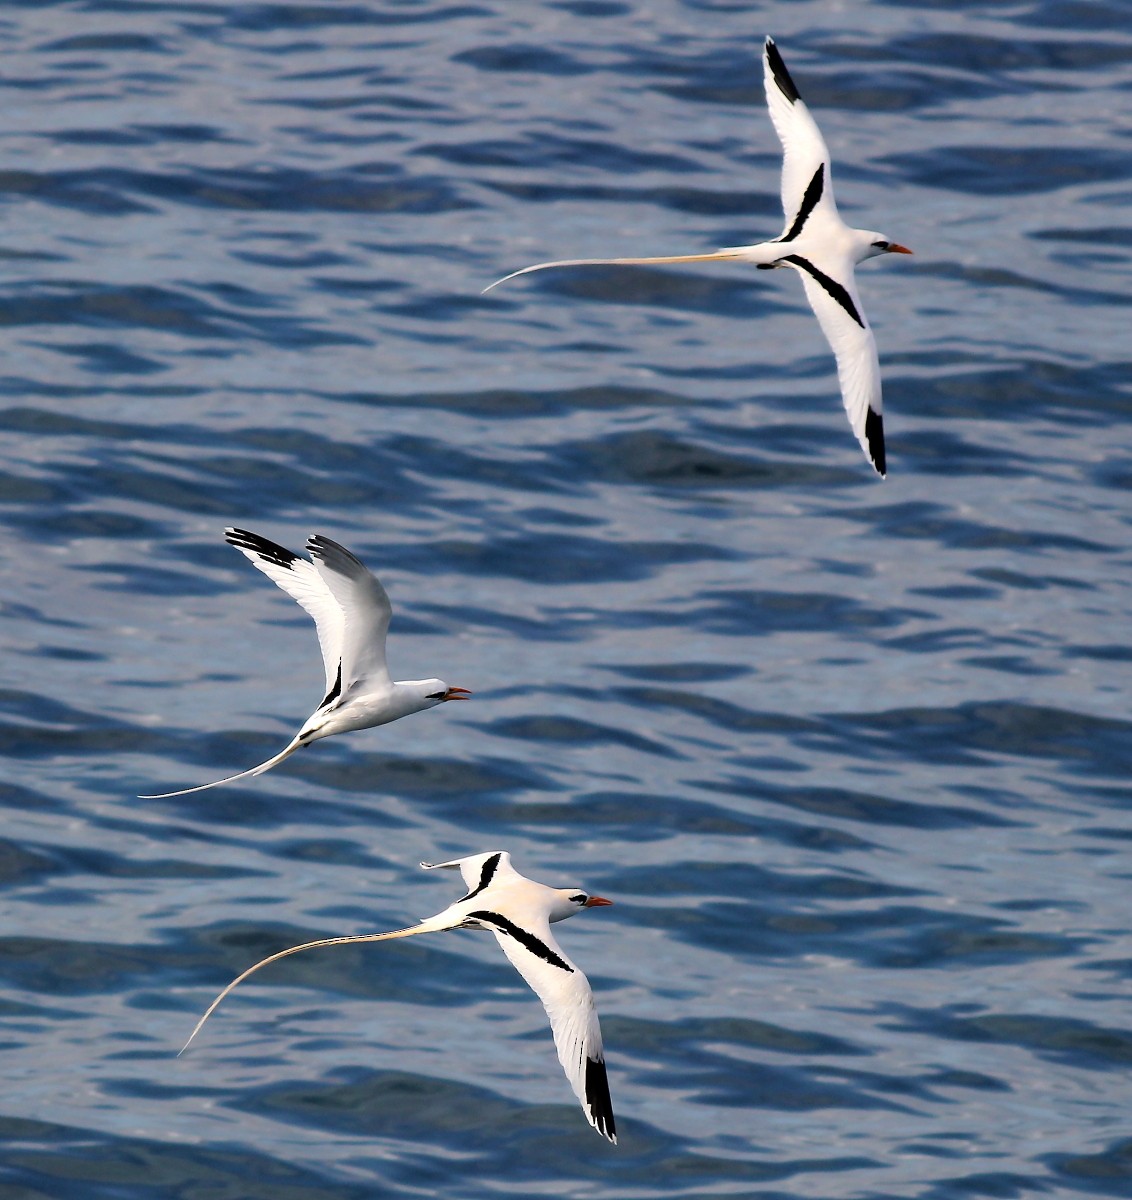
<point>457,693</point>
<point>596,902</point>
<point>897,248</point>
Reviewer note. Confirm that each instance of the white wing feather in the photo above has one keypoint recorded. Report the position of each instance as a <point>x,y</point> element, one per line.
<point>364,611</point>
<point>569,1003</point>
<point>303,583</point>
<point>803,147</point>
<point>858,368</point>
<point>471,867</point>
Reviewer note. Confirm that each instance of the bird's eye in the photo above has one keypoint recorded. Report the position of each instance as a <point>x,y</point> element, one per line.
<point>435,696</point>
<point>881,245</point>
<point>580,898</point>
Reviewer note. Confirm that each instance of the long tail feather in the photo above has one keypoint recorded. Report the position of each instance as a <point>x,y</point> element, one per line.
<point>424,927</point>
<point>615,262</point>
<point>286,752</point>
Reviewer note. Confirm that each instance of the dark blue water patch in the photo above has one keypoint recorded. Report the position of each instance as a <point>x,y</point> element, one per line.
<point>21,865</point>
<point>17,798</point>
<point>185,312</point>
<point>949,454</point>
<point>495,1137</point>
<point>433,781</point>
<point>1079,15</point>
<point>592,8</point>
<point>1098,235</point>
<point>845,805</point>
<point>1008,664</point>
<point>59,967</point>
<point>998,1185</point>
<point>992,277</point>
<point>1010,170</point>
<point>64,653</point>
<point>1019,580</point>
<point>719,713</point>
<point>956,591</point>
<point>307,260</point>
<point>1083,744</point>
<point>575,732</point>
<point>366,188</point>
<point>679,672</point>
<point>755,613</point>
<point>659,459</point>
<point>37,726</point>
<point>927,521</point>
<point>552,627</point>
<point>563,558</point>
<point>44,1159</point>
<point>106,358</point>
<point>504,404</point>
<point>687,1035</point>
<point>905,937</point>
<point>252,486</point>
<point>994,58</point>
<point>550,150</point>
<point>682,878</point>
<point>272,18</point>
<point>619,813</point>
<point>1089,394</point>
<point>50,526</point>
<point>141,135</point>
<point>714,1080</point>
<point>1107,1172</point>
<point>1068,1040</point>
<point>523,57</point>
<point>937,641</point>
<point>113,41</point>
<point>703,202</point>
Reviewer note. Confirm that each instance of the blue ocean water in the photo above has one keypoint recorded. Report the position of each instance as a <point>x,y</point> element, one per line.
<point>851,756</point>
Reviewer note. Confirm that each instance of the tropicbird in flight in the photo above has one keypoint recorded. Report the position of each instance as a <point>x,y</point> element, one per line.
<point>519,912</point>
<point>351,613</point>
<point>816,243</point>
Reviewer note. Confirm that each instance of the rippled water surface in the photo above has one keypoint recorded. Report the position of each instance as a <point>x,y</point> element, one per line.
<point>851,756</point>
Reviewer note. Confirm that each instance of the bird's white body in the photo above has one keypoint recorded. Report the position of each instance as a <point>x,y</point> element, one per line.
<point>816,243</point>
<point>519,911</point>
<point>351,612</point>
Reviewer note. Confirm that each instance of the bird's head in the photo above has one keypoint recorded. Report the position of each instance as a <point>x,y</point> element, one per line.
<point>876,243</point>
<point>436,691</point>
<point>569,901</point>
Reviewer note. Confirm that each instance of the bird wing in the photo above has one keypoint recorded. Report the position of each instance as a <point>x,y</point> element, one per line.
<point>303,583</point>
<point>838,310</point>
<point>478,870</point>
<point>806,183</point>
<point>566,995</point>
<point>364,607</point>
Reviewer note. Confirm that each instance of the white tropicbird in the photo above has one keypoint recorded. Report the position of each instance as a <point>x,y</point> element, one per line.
<point>817,243</point>
<point>519,912</point>
<point>351,613</point>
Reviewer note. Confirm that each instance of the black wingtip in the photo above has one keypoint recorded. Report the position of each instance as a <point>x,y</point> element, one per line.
<point>780,73</point>
<point>320,547</point>
<point>598,1102</point>
<point>244,539</point>
<point>874,435</point>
